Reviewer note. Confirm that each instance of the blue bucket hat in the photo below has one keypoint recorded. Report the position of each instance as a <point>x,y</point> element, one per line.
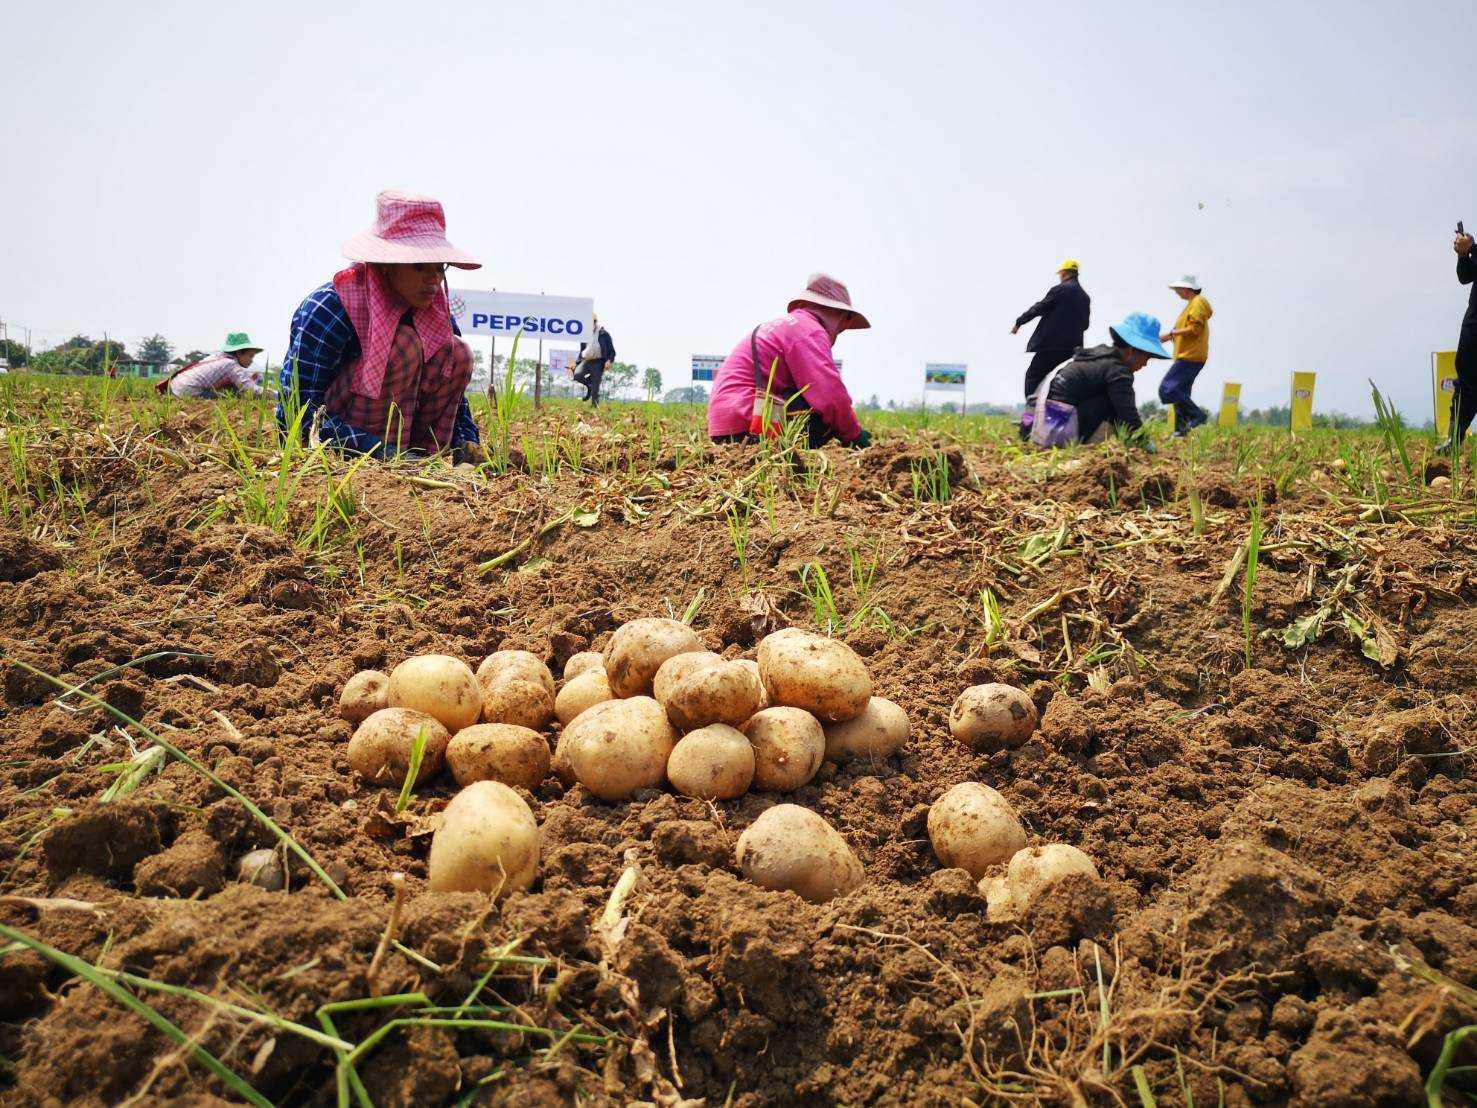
<point>1140,330</point>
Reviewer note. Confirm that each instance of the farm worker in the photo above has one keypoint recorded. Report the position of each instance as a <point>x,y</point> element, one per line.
<point>376,348</point>
<point>1064,312</point>
<point>785,367</point>
<point>595,357</point>
<point>227,370</point>
<point>1464,399</point>
<point>1191,336</point>
<point>1098,381</point>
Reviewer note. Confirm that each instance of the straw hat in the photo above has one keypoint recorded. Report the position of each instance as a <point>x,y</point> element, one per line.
<point>408,229</point>
<point>824,291</point>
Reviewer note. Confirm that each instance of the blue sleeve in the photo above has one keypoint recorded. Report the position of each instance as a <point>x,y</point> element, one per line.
<point>321,345</point>
<point>465,430</point>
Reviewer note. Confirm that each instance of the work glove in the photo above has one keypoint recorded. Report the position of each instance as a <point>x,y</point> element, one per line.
<point>862,441</point>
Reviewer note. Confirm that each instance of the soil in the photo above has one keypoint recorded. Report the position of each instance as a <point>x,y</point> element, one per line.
<point>1284,835</point>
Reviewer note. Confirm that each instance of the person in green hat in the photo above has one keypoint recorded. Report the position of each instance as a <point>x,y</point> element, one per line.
<point>228,370</point>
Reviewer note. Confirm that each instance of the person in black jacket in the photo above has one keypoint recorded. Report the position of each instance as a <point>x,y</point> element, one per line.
<point>595,358</point>
<point>1464,398</point>
<point>1064,312</point>
<point>1098,381</point>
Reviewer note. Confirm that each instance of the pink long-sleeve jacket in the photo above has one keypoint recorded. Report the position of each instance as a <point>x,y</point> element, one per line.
<point>803,350</point>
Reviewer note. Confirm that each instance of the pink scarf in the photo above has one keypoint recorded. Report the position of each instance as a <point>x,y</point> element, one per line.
<point>375,311</point>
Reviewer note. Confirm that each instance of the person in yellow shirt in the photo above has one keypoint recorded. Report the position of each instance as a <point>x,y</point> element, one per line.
<point>1191,337</point>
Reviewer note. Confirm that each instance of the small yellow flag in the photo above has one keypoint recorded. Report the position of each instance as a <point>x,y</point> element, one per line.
<point>1443,380</point>
<point>1302,401</point>
<point>1230,404</point>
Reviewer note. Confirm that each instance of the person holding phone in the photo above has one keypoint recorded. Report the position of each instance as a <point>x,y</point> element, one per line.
<point>1464,397</point>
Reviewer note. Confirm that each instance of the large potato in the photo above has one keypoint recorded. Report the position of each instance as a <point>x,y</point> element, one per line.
<point>753,667</point>
<point>990,718</point>
<point>515,665</point>
<point>790,847</point>
<point>516,756</point>
<point>488,842</point>
<point>620,746</point>
<point>583,662</point>
<point>364,694</point>
<point>972,827</point>
<point>712,763</point>
<point>722,692</point>
<point>381,746</point>
<point>1035,867</point>
<point>638,649</point>
<point>676,669</point>
<point>789,747</point>
<point>823,676</point>
<point>580,692</point>
<point>439,685</point>
<point>519,702</point>
<point>880,730</point>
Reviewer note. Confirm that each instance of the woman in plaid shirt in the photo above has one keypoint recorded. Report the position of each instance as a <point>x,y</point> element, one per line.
<point>376,348</point>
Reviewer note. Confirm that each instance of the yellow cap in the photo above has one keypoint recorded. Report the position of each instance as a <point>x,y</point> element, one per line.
<point>1070,263</point>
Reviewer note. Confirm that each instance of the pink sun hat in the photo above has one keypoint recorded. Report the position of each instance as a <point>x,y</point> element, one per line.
<point>408,229</point>
<point>825,291</point>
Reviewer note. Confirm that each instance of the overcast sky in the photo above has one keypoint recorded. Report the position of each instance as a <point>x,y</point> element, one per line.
<point>192,169</point>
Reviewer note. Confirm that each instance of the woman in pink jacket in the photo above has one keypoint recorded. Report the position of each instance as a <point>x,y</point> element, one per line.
<point>785,367</point>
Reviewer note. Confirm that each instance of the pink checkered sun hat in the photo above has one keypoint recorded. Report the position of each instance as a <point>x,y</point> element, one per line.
<point>408,229</point>
<point>825,291</point>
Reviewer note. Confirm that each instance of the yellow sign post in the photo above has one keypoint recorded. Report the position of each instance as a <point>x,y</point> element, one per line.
<point>1443,381</point>
<point>1302,401</point>
<point>1169,413</point>
<point>1230,404</point>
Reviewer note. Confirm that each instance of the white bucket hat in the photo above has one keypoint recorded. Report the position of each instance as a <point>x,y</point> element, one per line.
<point>1188,281</point>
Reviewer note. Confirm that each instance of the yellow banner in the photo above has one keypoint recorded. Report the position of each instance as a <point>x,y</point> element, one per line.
<point>1230,404</point>
<point>1443,381</point>
<point>1302,401</point>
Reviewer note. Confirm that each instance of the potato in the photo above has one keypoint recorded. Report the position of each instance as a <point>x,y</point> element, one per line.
<point>620,746</point>
<point>380,748</point>
<point>583,662</point>
<point>677,668</point>
<point>1441,484</point>
<point>789,747</point>
<point>488,842</point>
<point>519,702</point>
<point>364,694</point>
<point>753,667</point>
<point>583,691</point>
<point>823,676</point>
<point>720,692</point>
<point>998,905</point>
<point>712,763</point>
<point>505,752</point>
<point>880,730</point>
<point>502,666</point>
<point>990,718</point>
<point>637,650</point>
<point>790,847</point>
<point>1034,868</point>
<point>438,685</point>
<point>972,827</point>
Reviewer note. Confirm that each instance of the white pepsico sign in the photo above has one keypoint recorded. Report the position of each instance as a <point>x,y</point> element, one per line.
<point>504,314</point>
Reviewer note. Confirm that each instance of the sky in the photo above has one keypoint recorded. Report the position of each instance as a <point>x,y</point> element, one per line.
<point>193,169</point>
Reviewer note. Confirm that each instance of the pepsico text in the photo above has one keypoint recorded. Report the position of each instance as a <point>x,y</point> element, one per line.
<point>531,324</point>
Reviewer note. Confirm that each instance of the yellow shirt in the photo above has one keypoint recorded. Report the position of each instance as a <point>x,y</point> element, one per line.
<point>1195,319</point>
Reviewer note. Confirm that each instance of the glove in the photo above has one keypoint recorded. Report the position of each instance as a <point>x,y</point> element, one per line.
<point>862,441</point>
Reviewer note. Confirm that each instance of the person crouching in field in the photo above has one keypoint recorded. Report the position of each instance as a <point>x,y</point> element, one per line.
<point>1098,381</point>
<point>785,368</point>
<point>376,350</point>
<point>228,370</point>
<point>1191,336</point>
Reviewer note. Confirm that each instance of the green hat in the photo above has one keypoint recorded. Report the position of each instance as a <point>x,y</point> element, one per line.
<point>239,340</point>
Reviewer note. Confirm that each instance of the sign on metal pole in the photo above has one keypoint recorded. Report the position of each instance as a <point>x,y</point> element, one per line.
<point>504,314</point>
<point>705,366</point>
<point>1443,383</point>
<point>1302,400</point>
<point>944,376</point>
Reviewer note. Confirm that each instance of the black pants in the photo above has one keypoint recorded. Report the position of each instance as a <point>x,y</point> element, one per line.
<point>1464,397</point>
<point>1042,363</point>
<point>1092,413</point>
<point>590,375</point>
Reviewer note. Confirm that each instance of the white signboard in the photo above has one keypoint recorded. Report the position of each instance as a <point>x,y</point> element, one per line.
<point>561,362</point>
<point>705,366</point>
<point>503,314</point>
<point>944,377</point>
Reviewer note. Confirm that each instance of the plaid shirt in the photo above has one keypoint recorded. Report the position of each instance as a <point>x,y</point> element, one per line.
<point>213,374</point>
<point>321,346</point>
